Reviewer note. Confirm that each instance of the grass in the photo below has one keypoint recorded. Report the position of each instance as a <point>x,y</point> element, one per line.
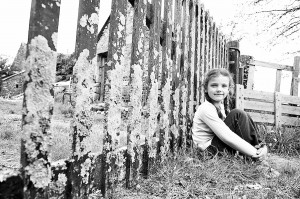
<point>10,132</point>
<point>193,175</point>
<point>189,175</point>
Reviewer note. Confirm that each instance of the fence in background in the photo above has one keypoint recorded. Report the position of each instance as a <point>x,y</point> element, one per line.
<point>271,108</point>
<point>151,91</point>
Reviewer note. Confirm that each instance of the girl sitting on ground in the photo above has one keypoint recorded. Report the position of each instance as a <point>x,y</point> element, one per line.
<point>214,131</point>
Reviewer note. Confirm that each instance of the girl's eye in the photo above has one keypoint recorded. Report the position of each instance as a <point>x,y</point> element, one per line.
<point>225,86</point>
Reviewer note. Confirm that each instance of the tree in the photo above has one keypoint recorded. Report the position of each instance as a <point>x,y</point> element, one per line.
<point>270,23</point>
<point>3,63</point>
<point>64,66</point>
<point>4,69</point>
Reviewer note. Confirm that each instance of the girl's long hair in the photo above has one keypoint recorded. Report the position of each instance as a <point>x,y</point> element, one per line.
<point>215,73</point>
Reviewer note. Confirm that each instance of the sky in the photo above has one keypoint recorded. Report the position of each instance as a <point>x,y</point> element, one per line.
<point>14,20</point>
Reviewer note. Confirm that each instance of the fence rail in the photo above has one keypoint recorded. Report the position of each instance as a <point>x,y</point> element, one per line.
<point>153,77</point>
<point>269,108</point>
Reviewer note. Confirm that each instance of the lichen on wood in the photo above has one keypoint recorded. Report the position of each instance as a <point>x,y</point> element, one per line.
<point>37,112</point>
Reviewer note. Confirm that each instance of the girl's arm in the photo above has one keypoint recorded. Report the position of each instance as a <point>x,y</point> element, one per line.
<point>210,117</point>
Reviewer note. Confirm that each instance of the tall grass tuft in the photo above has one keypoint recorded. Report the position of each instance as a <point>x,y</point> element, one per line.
<point>282,141</point>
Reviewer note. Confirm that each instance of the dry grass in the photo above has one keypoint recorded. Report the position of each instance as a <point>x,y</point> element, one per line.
<point>188,175</point>
<point>195,176</point>
<point>10,132</point>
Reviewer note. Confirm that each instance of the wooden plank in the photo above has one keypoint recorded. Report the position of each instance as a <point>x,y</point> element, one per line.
<point>271,65</point>
<point>250,81</point>
<point>278,80</point>
<point>210,42</point>
<point>262,117</point>
<point>226,52</point>
<point>293,110</point>
<point>135,157</point>
<point>213,44</point>
<point>185,70</point>
<point>114,74</point>
<point>277,109</point>
<point>295,77</point>
<point>193,63</point>
<point>202,53</point>
<point>254,105</point>
<point>153,81</point>
<point>176,74</point>
<point>239,103</point>
<point>83,72</point>
<point>287,99</point>
<point>218,48</point>
<point>259,95</point>
<point>290,121</point>
<point>222,52</point>
<point>166,76</point>
<point>38,102</point>
<point>199,55</point>
<point>206,52</point>
<point>193,74</point>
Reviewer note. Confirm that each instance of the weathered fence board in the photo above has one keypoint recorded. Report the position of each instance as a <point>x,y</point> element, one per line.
<point>154,66</point>
<point>175,128</point>
<point>266,107</point>
<point>134,140</point>
<point>166,81</point>
<point>152,83</point>
<point>115,97</point>
<point>82,82</point>
<point>257,105</point>
<point>295,77</point>
<point>262,117</point>
<point>38,101</point>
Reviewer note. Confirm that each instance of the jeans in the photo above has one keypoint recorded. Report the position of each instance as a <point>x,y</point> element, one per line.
<point>241,124</point>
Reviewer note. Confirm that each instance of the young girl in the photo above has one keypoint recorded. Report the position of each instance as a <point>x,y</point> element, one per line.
<point>213,131</point>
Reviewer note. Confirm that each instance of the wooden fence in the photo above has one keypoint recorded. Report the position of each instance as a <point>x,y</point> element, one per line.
<point>271,108</point>
<point>151,92</point>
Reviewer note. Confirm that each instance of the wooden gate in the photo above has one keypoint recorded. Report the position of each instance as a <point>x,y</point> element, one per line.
<point>153,77</point>
<point>271,108</point>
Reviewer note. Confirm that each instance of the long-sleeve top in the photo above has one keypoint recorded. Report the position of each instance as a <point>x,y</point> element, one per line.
<point>207,124</point>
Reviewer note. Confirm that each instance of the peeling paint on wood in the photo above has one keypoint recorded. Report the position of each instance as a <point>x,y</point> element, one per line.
<point>154,119</point>
<point>135,137</point>
<point>153,70</point>
<point>87,27</point>
<point>38,101</point>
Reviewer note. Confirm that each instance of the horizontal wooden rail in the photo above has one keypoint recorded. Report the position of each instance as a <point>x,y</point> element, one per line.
<point>270,108</point>
<point>271,65</point>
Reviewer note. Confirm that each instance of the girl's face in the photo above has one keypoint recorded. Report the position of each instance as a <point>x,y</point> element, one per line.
<point>218,88</point>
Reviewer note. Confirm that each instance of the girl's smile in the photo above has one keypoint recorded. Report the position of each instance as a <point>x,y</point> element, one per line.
<point>218,88</point>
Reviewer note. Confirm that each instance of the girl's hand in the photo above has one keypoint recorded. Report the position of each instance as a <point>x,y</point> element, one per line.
<point>261,153</point>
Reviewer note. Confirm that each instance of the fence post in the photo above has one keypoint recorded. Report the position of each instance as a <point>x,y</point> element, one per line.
<point>248,71</point>
<point>38,101</point>
<point>83,74</point>
<point>165,97</point>
<point>175,140</point>
<point>135,126</point>
<point>115,97</point>
<point>234,65</point>
<point>295,77</point>
<point>277,109</point>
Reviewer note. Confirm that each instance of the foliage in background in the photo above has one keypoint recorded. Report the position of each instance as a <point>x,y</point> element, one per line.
<point>64,66</point>
<point>271,24</point>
